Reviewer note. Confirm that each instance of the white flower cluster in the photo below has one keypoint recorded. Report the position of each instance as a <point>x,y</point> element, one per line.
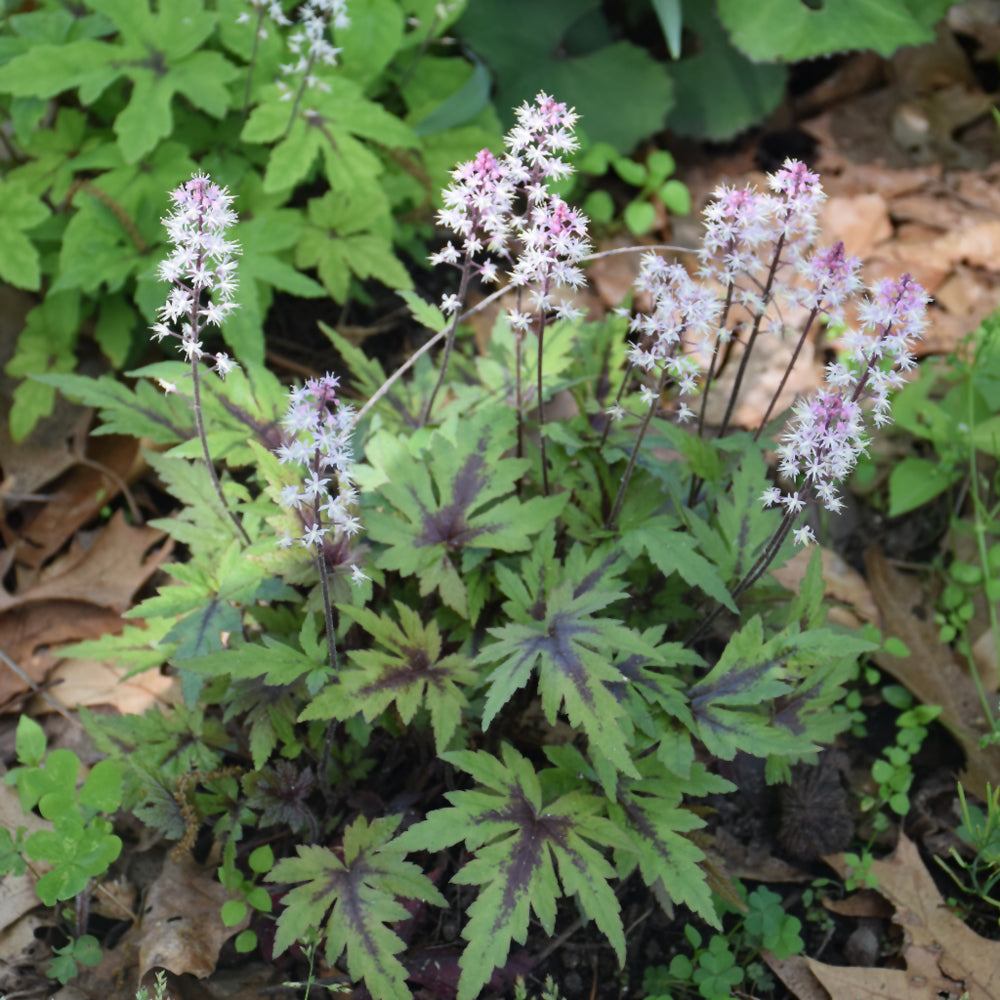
<point>480,206</point>
<point>201,268</point>
<point>310,46</point>
<point>683,309</point>
<point>319,429</point>
<point>826,435</point>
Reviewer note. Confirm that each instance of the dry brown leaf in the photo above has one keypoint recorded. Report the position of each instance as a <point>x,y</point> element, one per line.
<point>181,927</point>
<point>22,953</point>
<point>861,221</point>
<point>941,953</point>
<point>866,903</point>
<point>795,973</point>
<point>93,682</point>
<point>29,634</point>
<point>78,497</point>
<point>931,672</point>
<point>107,574</point>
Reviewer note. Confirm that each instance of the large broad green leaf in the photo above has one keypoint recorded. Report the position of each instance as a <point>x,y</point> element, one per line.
<point>352,899</point>
<point>790,30</point>
<point>719,91</point>
<point>520,837</point>
<point>525,43</point>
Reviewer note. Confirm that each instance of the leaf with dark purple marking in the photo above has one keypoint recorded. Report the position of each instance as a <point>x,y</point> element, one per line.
<point>352,900</point>
<point>520,841</point>
<point>449,497</point>
<point>405,668</point>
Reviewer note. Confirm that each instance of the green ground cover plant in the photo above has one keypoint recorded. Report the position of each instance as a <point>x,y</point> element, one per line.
<point>111,102</point>
<point>384,574</point>
<point>475,555</point>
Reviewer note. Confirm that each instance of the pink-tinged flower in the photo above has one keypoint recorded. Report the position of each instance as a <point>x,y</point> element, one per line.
<point>319,428</point>
<point>201,267</point>
<point>535,145</point>
<point>826,436</point>
<point>554,238</point>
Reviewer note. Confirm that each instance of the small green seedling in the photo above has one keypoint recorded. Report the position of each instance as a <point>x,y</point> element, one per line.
<point>651,179</point>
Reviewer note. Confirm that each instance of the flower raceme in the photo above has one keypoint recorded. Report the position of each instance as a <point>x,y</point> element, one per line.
<point>318,428</point>
<point>758,255</point>
<point>826,435</point>
<point>498,204</point>
<point>201,268</point>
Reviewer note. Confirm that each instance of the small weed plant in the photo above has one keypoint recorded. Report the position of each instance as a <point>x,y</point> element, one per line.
<point>713,969</point>
<point>388,576</point>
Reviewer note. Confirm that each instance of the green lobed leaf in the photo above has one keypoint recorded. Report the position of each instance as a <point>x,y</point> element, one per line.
<point>406,668</point>
<point>517,835</point>
<point>790,30</point>
<point>453,495</point>
<point>352,900</point>
<point>556,630</point>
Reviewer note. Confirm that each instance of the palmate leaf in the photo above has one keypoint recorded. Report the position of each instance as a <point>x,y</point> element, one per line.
<point>555,628</point>
<point>650,814</point>
<point>405,668</point>
<point>734,705</point>
<point>339,118</point>
<point>520,840</point>
<point>352,899</point>
<point>159,51</point>
<point>744,525</point>
<point>451,493</point>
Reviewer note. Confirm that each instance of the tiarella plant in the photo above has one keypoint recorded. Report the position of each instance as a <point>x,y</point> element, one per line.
<point>515,555</point>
